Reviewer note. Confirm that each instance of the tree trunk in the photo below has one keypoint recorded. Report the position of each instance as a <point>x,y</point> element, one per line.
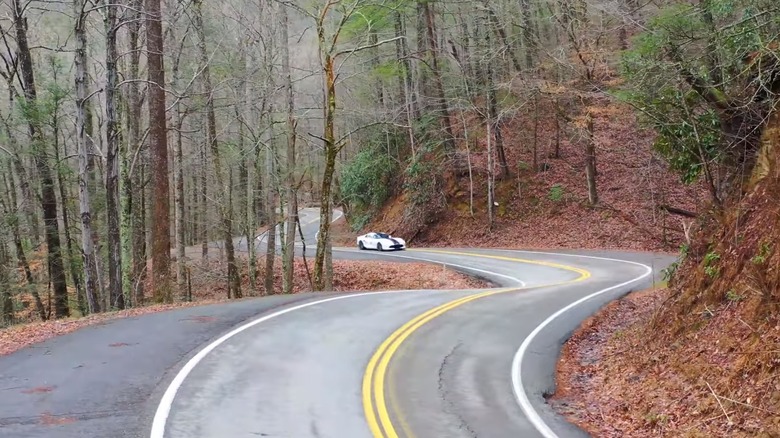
<point>441,99</point>
<point>536,133</point>
<point>87,242</point>
<point>40,154</point>
<point>331,152</point>
<point>6,304</point>
<point>290,191</point>
<point>500,32</point>
<point>64,196</point>
<point>270,159</point>
<point>161,236</point>
<point>246,185</point>
<point>178,199</point>
<point>204,193</point>
<point>529,34</point>
<point>493,118</point>
<point>115,293</point>
<point>225,207</point>
<point>590,162</point>
<point>557,152</point>
<point>490,182</point>
<point>270,254</point>
<point>405,82</point>
<point>134,216</point>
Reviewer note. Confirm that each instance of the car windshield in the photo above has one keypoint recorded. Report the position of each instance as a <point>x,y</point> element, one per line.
<point>382,235</point>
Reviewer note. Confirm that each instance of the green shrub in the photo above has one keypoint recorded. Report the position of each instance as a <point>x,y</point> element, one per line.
<point>557,193</point>
<point>366,181</point>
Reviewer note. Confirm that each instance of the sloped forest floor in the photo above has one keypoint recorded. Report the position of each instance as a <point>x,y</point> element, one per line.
<point>701,359</point>
<point>546,207</point>
<point>614,380</point>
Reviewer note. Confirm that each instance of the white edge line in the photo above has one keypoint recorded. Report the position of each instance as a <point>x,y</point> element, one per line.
<point>517,380</point>
<point>164,407</point>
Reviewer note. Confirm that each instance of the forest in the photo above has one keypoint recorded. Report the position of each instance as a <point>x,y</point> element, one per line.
<point>135,133</point>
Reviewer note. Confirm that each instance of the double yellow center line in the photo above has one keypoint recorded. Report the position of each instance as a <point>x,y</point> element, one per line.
<point>374,400</point>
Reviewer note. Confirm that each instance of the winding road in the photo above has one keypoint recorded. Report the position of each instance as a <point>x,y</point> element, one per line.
<point>423,364</point>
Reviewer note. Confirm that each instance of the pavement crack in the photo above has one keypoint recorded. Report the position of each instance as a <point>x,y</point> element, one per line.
<point>448,402</point>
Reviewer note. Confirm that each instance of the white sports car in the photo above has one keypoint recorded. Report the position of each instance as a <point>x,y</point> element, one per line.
<point>380,242</point>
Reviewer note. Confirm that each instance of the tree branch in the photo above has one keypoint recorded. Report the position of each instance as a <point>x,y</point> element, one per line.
<point>678,211</point>
<point>369,46</point>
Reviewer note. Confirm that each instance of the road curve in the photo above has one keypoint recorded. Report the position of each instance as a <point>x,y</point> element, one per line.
<point>415,364</point>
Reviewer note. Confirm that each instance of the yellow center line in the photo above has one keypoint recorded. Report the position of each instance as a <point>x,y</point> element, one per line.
<point>373,389</point>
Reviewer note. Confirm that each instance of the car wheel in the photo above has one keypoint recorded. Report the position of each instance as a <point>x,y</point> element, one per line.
<point>379,247</point>
<point>360,245</point>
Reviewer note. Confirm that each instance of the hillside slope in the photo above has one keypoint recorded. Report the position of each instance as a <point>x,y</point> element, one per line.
<point>548,208</point>
<point>703,358</point>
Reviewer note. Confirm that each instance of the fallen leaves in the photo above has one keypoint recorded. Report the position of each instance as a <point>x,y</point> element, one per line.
<point>48,419</point>
<point>621,375</point>
<point>39,390</point>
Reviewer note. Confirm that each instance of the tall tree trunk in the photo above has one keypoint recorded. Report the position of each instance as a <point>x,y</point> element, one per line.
<point>331,153</point>
<point>405,84</point>
<point>493,117</point>
<point>134,216</point>
<point>557,152</point>
<point>490,174</point>
<point>87,243</point>
<point>441,98</point>
<point>161,235</point>
<point>225,207</point>
<point>290,191</point>
<point>270,153</point>
<point>270,171</point>
<point>500,32</point>
<point>373,38</point>
<point>40,154</point>
<point>204,193</point>
<point>178,178</point>
<point>65,196</point>
<point>529,34</point>
<point>6,304</point>
<point>115,293</point>
<point>246,186</point>
<point>590,162</point>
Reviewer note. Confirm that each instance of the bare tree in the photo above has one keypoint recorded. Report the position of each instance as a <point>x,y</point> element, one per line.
<point>87,244</point>
<point>115,293</point>
<point>158,138</point>
<point>290,181</point>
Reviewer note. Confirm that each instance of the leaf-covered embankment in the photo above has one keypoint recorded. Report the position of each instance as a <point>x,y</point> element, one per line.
<point>701,359</point>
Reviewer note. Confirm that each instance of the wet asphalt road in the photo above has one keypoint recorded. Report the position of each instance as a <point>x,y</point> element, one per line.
<point>300,374</point>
